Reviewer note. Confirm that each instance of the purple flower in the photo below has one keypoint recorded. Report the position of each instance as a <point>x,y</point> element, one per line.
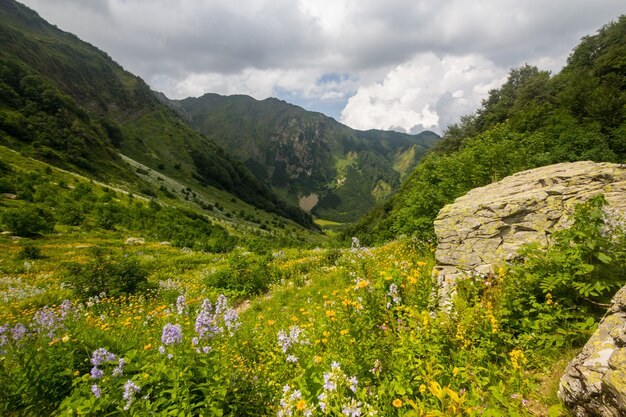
<point>353,383</point>
<point>353,409</point>
<point>231,320</point>
<point>96,373</point>
<point>119,369</point>
<point>296,336</point>
<point>101,355</point>
<point>66,308</point>
<point>181,303</point>
<point>394,294</point>
<point>96,391</point>
<point>221,305</point>
<point>172,334</point>
<point>130,389</point>
<point>206,325</point>
<point>46,320</point>
<point>18,332</point>
<point>3,338</point>
<point>292,358</point>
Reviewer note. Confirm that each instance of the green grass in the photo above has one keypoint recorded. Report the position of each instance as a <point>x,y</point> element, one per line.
<point>342,302</point>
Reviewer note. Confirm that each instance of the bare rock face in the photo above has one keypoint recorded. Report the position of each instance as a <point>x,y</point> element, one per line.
<point>594,383</point>
<point>486,227</point>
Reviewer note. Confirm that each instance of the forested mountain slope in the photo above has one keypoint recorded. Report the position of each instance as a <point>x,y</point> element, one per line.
<point>311,159</point>
<point>66,102</point>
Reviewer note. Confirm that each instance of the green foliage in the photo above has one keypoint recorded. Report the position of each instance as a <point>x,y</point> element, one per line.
<point>27,221</point>
<point>108,274</point>
<point>67,103</point>
<point>584,265</point>
<point>246,274</point>
<point>37,377</point>
<point>532,120</point>
<point>305,162</point>
<point>30,252</point>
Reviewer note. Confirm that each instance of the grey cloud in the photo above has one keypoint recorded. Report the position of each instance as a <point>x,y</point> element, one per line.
<point>174,41</point>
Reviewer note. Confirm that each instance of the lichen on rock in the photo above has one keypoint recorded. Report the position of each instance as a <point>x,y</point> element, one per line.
<point>594,382</point>
<point>487,226</point>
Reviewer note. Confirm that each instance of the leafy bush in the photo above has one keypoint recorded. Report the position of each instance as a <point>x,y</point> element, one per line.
<point>584,264</point>
<point>247,274</point>
<point>105,273</point>
<point>30,252</point>
<point>28,220</point>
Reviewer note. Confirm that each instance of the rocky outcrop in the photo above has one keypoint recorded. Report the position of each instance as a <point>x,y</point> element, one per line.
<point>486,227</point>
<point>594,383</point>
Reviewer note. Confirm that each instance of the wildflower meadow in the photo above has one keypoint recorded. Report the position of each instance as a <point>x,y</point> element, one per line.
<point>337,332</point>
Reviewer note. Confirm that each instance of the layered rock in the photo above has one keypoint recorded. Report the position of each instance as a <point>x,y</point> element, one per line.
<point>487,226</point>
<point>594,383</point>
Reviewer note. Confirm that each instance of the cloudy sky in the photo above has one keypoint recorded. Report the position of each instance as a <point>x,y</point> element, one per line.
<point>405,65</point>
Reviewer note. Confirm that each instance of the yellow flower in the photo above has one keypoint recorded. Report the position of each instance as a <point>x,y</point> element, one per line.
<point>343,332</point>
<point>301,405</point>
<point>148,346</point>
<point>326,333</point>
<point>397,403</point>
<point>65,338</point>
<point>317,359</point>
<point>330,314</point>
<point>422,388</point>
<point>518,359</point>
<point>455,371</point>
<point>363,284</point>
<point>421,264</point>
<point>271,322</point>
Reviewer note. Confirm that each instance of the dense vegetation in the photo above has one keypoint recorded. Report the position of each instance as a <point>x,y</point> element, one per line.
<point>340,332</point>
<point>144,288</point>
<point>532,120</point>
<point>55,86</point>
<point>299,153</point>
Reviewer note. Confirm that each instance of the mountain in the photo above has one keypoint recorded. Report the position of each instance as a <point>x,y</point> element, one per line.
<point>534,119</point>
<point>326,167</point>
<point>68,103</point>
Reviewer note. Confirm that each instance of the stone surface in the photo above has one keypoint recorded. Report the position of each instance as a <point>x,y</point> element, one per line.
<point>594,383</point>
<point>485,228</point>
<point>135,241</point>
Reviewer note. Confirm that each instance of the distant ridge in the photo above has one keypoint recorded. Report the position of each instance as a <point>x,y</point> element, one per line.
<point>336,172</point>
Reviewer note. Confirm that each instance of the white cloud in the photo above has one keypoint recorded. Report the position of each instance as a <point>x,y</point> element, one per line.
<point>387,49</point>
<point>427,92</point>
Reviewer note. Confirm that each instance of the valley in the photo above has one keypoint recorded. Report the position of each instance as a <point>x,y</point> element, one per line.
<point>228,256</point>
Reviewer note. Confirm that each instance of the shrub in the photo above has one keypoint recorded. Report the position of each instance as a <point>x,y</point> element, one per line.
<point>27,221</point>
<point>584,265</point>
<point>249,274</point>
<point>30,252</point>
<point>108,274</point>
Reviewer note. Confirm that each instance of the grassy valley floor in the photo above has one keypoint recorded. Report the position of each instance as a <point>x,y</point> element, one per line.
<point>324,332</point>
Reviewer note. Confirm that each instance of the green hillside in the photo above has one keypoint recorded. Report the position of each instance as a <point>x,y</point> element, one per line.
<point>55,85</point>
<point>134,282</point>
<point>534,119</point>
<point>336,172</point>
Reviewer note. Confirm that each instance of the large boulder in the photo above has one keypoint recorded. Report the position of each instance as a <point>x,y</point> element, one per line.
<point>594,383</point>
<point>487,226</point>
